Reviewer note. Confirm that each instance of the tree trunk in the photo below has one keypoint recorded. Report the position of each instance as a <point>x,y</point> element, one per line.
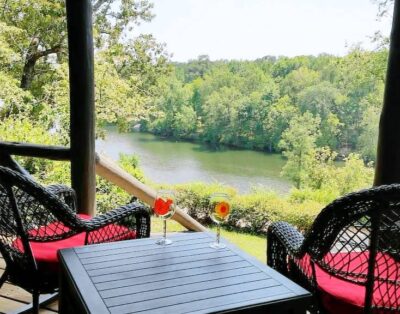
<point>32,56</point>
<point>28,73</point>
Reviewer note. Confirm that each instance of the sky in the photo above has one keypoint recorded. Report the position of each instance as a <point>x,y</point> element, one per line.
<point>250,29</point>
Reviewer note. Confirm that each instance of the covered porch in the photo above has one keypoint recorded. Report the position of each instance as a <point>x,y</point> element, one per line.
<point>86,163</point>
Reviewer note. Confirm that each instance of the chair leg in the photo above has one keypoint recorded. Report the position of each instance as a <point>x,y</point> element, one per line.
<point>3,278</point>
<point>36,303</point>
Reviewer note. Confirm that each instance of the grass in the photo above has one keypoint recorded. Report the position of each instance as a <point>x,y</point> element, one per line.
<point>252,244</point>
<point>172,226</point>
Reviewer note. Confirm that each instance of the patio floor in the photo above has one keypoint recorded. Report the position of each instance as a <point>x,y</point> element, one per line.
<point>12,298</point>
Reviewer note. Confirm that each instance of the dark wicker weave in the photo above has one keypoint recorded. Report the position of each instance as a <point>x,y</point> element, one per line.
<point>31,213</point>
<point>365,224</point>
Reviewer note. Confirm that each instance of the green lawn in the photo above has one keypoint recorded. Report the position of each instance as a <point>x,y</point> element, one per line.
<point>252,244</point>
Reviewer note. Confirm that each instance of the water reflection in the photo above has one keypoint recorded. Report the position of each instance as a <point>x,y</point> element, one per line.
<point>164,160</point>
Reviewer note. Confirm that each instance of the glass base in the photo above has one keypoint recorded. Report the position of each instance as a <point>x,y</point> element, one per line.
<point>217,246</point>
<point>163,241</point>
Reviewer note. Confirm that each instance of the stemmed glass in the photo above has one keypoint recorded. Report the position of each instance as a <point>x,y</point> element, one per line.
<point>164,207</point>
<point>220,209</point>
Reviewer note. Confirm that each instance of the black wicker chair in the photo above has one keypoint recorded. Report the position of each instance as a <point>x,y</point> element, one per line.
<point>350,258</point>
<point>35,222</point>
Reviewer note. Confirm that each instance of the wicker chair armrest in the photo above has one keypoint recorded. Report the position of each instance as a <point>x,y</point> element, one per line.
<point>65,193</point>
<point>288,236</point>
<point>133,209</point>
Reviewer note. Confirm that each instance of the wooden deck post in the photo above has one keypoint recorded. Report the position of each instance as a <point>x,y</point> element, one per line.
<point>80,46</point>
<point>387,169</point>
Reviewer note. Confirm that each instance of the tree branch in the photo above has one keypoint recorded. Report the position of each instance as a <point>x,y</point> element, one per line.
<point>43,53</point>
<point>98,4</point>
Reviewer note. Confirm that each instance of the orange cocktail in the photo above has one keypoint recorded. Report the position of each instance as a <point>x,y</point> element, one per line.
<point>220,210</point>
<point>164,207</point>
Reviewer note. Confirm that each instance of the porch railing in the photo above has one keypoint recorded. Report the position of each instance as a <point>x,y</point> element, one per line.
<point>105,167</point>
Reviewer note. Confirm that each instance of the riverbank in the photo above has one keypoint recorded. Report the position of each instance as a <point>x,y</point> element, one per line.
<point>176,162</point>
<point>252,212</point>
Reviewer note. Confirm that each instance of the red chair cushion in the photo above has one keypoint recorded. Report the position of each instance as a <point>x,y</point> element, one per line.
<point>45,253</point>
<point>344,297</point>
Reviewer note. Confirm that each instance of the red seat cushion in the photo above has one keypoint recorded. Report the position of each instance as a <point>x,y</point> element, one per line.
<point>45,253</point>
<point>344,297</point>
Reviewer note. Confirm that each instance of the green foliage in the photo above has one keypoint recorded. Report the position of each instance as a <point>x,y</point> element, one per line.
<point>34,82</point>
<point>298,80</point>
<point>108,195</point>
<point>23,130</point>
<point>323,100</point>
<point>326,181</point>
<point>254,212</point>
<point>298,144</point>
<point>250,104</point>
<point>251,212</point>
<point>13,100</point>
<point>195,198</point>
<point>33,51</point>
<point>226,105</point>
<point>368,140</point>
<point>279,115</point>
<point>354,175</point>
<point>305,107</point>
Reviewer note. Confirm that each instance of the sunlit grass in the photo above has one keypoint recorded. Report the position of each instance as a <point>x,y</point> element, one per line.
<point>252,244</point>
<point>172,226</point>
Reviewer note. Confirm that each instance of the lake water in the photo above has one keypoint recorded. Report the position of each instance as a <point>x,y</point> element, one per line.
<point>169,161</point>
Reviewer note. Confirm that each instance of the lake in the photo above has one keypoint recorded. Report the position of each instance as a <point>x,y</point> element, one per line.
<point>169,161</point>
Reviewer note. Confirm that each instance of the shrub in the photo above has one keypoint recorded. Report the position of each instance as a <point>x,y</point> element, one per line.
<point>108,195</point>
<point>254,212</point>
<point>251,212</point>
<point>194,197</point>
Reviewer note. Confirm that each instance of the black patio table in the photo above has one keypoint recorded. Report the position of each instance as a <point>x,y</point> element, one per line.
<point>139,276</point>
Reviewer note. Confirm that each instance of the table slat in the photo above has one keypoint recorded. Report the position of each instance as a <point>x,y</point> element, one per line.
<point>150,286</point>
<point>165,276</point>
<point>139,276</point>
<point>147,270</point>
<point>190,288</point>
<point>203,299</point>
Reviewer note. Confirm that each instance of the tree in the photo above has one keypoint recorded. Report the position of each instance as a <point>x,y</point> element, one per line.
<point>43,23</point>
<point>284,65</point>
<point>197,68</point>
<point>298,144</point>
<point>384,7</point>
<point>185,123</point>
<point>277,121</point>
<point>368,140</point>
<point>173,103</point>
<point>325,101</point>
<point>298,80</point>
<point>220,114</point>
<point>127,70</point>
<point>361,73</point>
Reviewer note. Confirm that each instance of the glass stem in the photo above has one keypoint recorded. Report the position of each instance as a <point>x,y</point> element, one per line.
<point>165,228</point>
<point>218,233</point>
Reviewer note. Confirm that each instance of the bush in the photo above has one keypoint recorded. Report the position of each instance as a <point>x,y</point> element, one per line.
<point>254,212</point>
<point>108,195</point>
<point>194,197</point>
<point>319,196</point>
<point>251,212</point>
